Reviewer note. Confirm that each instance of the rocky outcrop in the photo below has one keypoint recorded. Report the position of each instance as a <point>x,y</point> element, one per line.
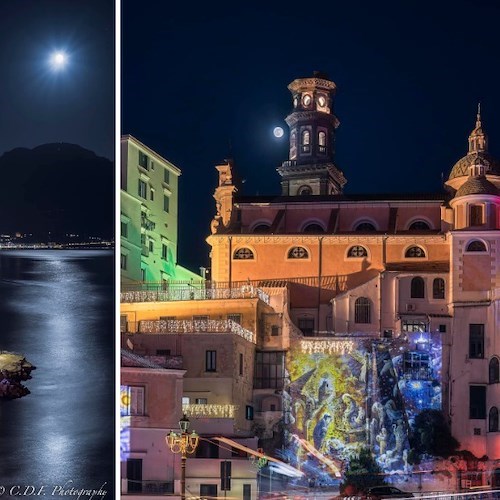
<point>13,370</point>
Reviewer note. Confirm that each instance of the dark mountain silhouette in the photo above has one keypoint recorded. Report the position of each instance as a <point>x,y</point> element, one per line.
<point>57,188</point>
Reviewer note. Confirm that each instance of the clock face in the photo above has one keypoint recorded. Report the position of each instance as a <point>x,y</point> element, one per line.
<point>306,100</point>
<point>322,101</point>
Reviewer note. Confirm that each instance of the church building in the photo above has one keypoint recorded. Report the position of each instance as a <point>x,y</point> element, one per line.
<point>416,268</point>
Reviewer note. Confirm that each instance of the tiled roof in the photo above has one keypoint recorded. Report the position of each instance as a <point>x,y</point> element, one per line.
<point>129,358</point>
<point>461,168</point>
<point>476,185</point>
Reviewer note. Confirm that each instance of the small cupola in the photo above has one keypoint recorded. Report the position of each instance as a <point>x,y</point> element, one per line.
<point>478,140</point>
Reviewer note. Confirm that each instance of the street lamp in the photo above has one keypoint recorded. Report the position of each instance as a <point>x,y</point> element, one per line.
<point>183,443</point>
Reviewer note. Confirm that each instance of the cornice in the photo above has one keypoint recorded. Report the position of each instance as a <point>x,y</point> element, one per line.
<point>309,83</point>
<point>329,239</point>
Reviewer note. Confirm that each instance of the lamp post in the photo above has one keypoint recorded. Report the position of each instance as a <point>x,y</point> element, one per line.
<point>184,443</point>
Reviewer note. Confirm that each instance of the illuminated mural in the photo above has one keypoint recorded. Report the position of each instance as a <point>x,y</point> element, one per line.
<point>345,394</point>
<point>124,422</point>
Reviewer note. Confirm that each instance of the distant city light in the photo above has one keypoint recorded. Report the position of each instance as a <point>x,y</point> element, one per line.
<point>278,132</point>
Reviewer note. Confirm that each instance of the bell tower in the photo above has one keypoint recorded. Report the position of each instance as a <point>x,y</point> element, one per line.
<point>310,168</point>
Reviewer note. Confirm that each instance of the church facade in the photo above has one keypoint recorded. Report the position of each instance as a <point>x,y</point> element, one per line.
<point>419,269</point>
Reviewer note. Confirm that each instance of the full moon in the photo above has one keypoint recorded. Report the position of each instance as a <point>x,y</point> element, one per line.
<point>58,60</point>
<point>278,132</point>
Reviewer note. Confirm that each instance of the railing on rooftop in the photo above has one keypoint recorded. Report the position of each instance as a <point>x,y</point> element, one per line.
<point>175,293</point>
<point>209,410</point>
<point>195,326</point>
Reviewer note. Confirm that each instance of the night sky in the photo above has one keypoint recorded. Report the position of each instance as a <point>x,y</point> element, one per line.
<point>76,105</point>
<point>200,85</point>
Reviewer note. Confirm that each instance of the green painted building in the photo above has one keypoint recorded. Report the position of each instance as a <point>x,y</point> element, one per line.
<point>148,216</point>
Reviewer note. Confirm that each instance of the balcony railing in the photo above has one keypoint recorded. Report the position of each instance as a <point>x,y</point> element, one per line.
<point>195,326</point>
<point>209,410</point>
<point>193,293</point>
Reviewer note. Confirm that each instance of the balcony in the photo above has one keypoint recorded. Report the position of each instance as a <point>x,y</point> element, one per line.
<point>178,293</point>
<point>209,411</point>
<point>177,326</point>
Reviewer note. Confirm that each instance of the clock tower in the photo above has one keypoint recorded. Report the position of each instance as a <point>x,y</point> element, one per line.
<point>310,168</point>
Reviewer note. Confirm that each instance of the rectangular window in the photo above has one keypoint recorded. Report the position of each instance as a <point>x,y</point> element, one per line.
<point>152,195</point>
<point>225,475</point>
<point>135,398</point>
<point>134,474</point>
<point>211,361</point>
<point>201,401</point>
<point>477,402</point>
<point>151,245</point>
<point>142,189</point>
<point>166,176</point>
<point>247,492</point>
<point>235,317</point>
<point>416,365</point>
<point>123,323</point>
<point>275,331</point>
<point>163,352</point>
<point>241,364</point>
<point>185,400</point>
<point>207,449</point>
<point>123,262</point>
<point>414,326</point>
<point>143,238</point>
<point>164,251</point>
<point>249,412</point>
<point>124,229</point>
<point>168,318</point>
<point>307,326</point>
<point>143,274</point>
<point>269,370</point>
<point>442,328</point>
<point>476,215</point>
<point>166,203</point>
<point>201,317</point>
<point>143,160</point>
<point>476,341</point>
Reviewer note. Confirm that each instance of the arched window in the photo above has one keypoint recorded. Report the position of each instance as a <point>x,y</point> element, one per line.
<point>321,138</point>
<point>298,253</point>
<point>418,225</point>
<point>438,288</point>
<point>494,370</point>
<point>306,138</point>
<point>293,139</point>
<point>476,246</point>
<point>365,227</point>
<point>414,252</point>
<point>357,251</point>
<point>304,190</point>
<point>493,419</point>
<point>313,228</point>
<point>362,310</point>
<point>417,288</point>
<point>261,228</point>
<point>243,254</point>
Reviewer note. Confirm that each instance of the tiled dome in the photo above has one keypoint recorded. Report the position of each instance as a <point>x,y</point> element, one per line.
<point>477,185</point>
<point>461,168</point>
